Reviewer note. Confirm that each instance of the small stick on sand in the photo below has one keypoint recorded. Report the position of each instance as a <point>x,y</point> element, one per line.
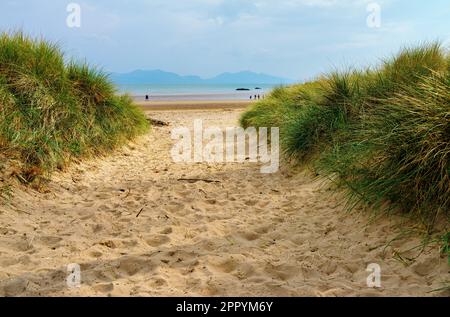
<point>140,211</point>
<point>195,180</point>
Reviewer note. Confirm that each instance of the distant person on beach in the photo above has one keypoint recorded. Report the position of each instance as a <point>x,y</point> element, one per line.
<point>259,97</point>
<point>251,97</point>
<point>147,97</point>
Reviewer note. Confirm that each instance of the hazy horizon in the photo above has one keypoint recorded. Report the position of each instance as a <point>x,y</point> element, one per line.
<point>294,39</point>
<point>195,75</point>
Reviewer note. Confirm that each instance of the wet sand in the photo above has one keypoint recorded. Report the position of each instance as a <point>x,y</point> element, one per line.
<point>194,105</point>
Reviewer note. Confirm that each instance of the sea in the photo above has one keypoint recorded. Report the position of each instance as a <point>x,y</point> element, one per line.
<point>210,92</point>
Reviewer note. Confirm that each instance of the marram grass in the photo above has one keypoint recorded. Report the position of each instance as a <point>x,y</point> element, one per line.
<point>382,134</point>
<point>53,112</point>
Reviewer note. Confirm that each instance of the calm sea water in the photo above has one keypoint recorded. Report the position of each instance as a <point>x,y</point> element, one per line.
<point>195,92</point>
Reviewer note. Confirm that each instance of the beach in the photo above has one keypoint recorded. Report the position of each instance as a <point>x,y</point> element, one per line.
<point>193,105</point>
<point>139,224</point>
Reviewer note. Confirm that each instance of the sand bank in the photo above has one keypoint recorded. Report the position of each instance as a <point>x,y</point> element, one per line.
<point>136,229</point>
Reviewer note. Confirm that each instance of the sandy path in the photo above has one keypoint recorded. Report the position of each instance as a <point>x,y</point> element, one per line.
<point>247,234</point>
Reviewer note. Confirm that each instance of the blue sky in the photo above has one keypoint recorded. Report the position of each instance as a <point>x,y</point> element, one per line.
<point>291,38</point>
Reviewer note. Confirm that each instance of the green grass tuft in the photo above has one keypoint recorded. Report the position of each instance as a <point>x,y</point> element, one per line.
<point>52,112</point>
<point>382,134</point>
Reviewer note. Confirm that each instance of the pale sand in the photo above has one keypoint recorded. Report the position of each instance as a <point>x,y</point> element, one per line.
<point>247,234</point>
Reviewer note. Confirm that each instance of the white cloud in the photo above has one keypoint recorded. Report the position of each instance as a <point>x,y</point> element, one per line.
<point>291,38</point>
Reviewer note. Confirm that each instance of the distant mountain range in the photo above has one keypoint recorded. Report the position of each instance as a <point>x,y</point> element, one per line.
<point>161,77</point>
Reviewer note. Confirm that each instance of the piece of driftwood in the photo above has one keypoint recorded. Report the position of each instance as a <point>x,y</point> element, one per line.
<point>157,123</point>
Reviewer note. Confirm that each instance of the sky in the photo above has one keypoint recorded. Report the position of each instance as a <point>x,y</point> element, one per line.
<point>297,39</point>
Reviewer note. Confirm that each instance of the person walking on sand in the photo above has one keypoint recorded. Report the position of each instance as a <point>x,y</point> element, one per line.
<point>147,97</point>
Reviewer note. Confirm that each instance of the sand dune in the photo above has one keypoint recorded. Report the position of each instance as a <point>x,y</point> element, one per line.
<point>136,229</point>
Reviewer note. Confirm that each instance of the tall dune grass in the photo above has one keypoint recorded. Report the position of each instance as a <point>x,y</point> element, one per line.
<point>383,134</point>
<point>53,112</point>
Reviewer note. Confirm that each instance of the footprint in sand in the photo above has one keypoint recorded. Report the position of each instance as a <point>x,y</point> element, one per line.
<point>244,271</point>
<point>95,254</point>
<point>7,262</point>
<point>104,288</point>
<point>88,204</point>
<point>157,240</point>
<point>251,203</point>
<point>103,196</point>
<point>130,243</point>
<point>263,229</point>
<point>175,208</point>
<point>110,244</point>
<point>50,241</point>
<point>249,235</point>
<point>282,272</point>
<point>96,228</point>
<point>167,231</point>
<point>86,214</point>
<point>13,287</point>
<point>157,282</point>
<point>22,244</point>
<point>104,208</point>
<point>222,265</point>
<point>134,265</point>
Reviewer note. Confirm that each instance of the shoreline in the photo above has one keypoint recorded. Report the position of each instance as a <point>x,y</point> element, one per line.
<point>193,105</point>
